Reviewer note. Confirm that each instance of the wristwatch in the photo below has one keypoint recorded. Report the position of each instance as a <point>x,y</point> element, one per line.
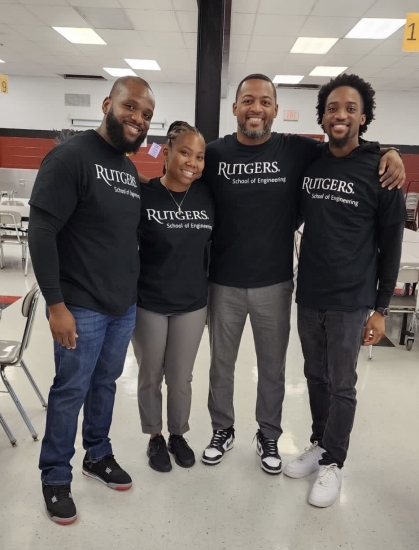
<point>382,311</point>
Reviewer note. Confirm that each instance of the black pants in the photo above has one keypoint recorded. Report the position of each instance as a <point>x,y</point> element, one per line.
<point>330,342</point>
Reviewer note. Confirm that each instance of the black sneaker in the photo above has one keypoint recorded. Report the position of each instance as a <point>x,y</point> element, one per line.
<point>184,455</point>
<point>221,442</point>
<point>59,503</point>
<point>267,449</point>
<point>159,458</point>
<point>108,471</point>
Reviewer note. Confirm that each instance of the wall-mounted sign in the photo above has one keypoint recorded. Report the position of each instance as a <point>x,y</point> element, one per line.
<point>291,115</point>
<point>411,33</point>
<point>4,84</point>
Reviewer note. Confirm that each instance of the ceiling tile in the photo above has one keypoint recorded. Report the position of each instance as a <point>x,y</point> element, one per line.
<point>281,25</point>
<point>351,46</point>
<point>122,38</point>
<point>408,61</point>
<point>388,47</point>
<point>58,16</point>
<point>39,33</point>
<point>396,72</point>
<point>94,50</point>
<point>330,8</point>
<point>14,14</point>
<point>328,27</point>
<point>190,39</point>
<point>146,5</point>
<point>272,43</point>
<point>240,42</point>
<point>244,6</point>
<point>163,39</point>
<point>268,57</point>
<point>188,21</point>
<point>341,60</point>
<point>242,23</point>
<point>185,5</point>
<point>392,9</point>
<point>297,59</point>
<point>106,18</point>
<point>45,2</point>
<point>378,60</point>
<point>238,57</point>
<point>60,48</point>
<point>154,20</point>
<point>88,3</point>
<point>296,7</point>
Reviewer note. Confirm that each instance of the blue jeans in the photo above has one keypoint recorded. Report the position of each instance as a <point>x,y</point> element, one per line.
<point>86,375</point>
<point>330,341</point>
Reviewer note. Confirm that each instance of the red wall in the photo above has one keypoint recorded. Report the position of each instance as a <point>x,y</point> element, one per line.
<point>18,152</point>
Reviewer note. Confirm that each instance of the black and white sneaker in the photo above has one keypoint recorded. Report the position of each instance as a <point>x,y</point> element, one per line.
<point>221,442</point>
<point>59,504</point>
<point>267,449</point>
<point>107,471</point>
<point>184,455</point>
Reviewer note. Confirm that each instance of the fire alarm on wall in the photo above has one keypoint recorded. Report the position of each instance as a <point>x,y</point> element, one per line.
<point>291,115</point>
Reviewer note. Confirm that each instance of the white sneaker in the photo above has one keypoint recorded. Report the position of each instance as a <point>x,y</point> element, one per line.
<point>327,486</point>
<point>306,463</point>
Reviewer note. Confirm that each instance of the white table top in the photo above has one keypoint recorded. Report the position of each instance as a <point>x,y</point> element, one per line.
<point>22,210</point>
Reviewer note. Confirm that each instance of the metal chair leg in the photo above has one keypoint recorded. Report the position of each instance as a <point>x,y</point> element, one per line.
<point>9,434</point>
<point>1,257</point>
<point>26,259</point>
<point>33,383</point>
<point>369,353</point>
<point>18,405</point>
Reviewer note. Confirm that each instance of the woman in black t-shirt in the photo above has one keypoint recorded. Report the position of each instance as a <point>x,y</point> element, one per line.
<point>176,224</point>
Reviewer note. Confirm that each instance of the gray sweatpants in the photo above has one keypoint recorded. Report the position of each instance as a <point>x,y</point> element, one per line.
<point>269,310</point>
<point>166,345</point>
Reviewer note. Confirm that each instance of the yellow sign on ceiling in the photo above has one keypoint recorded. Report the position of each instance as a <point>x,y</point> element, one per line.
<point>411,33</point>
<point>4,84</point>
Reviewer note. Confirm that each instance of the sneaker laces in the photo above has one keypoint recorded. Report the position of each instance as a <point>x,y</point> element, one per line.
<point>218,438</point>
<point>307,451</point>
<point>327,475</point>
<point>159,445</point>
<point>109,461</point>
<point>270,446</point>
<point>180,440</point>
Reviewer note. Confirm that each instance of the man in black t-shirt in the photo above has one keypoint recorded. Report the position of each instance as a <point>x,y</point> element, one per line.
<point>352,239</point>
<point>85,213</point>
<point>254,176</point>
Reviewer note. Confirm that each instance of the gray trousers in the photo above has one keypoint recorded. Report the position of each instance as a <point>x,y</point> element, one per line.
<point>269,310</point>
<point>166,346</point>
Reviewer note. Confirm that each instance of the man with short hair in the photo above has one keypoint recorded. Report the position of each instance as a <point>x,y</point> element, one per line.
<point>85,213</point>
<point>254,175</point>
<point>352,238</point>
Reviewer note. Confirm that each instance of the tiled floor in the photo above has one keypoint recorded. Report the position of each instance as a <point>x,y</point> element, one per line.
<point>232,506</point>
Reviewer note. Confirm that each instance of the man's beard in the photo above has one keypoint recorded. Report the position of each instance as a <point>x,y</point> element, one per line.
<point>253,134</point>
<point>339,143</point>
<point>115,131</point>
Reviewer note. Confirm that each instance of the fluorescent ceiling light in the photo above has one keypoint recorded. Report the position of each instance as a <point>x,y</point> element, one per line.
<point>327,71</point>
<point>313,45</point>
<point>287,79</point>
<point>80,36</point>
<point>119,72</point>
<point>375,29</point>
<point>143,64</point>
<point>1,61</point>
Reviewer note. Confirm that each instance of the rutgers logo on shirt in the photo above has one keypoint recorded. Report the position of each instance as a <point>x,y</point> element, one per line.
<point>227,170</point>
<point>312,185</point>
<point>161,216</point>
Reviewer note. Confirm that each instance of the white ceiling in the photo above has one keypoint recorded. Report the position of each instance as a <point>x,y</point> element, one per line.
<point>262,34</point>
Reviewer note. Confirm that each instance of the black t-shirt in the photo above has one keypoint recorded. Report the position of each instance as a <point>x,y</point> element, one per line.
<point>255,190</point>
<point>173,248</point>
<point>344,207</point>
<point>91,187</point>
